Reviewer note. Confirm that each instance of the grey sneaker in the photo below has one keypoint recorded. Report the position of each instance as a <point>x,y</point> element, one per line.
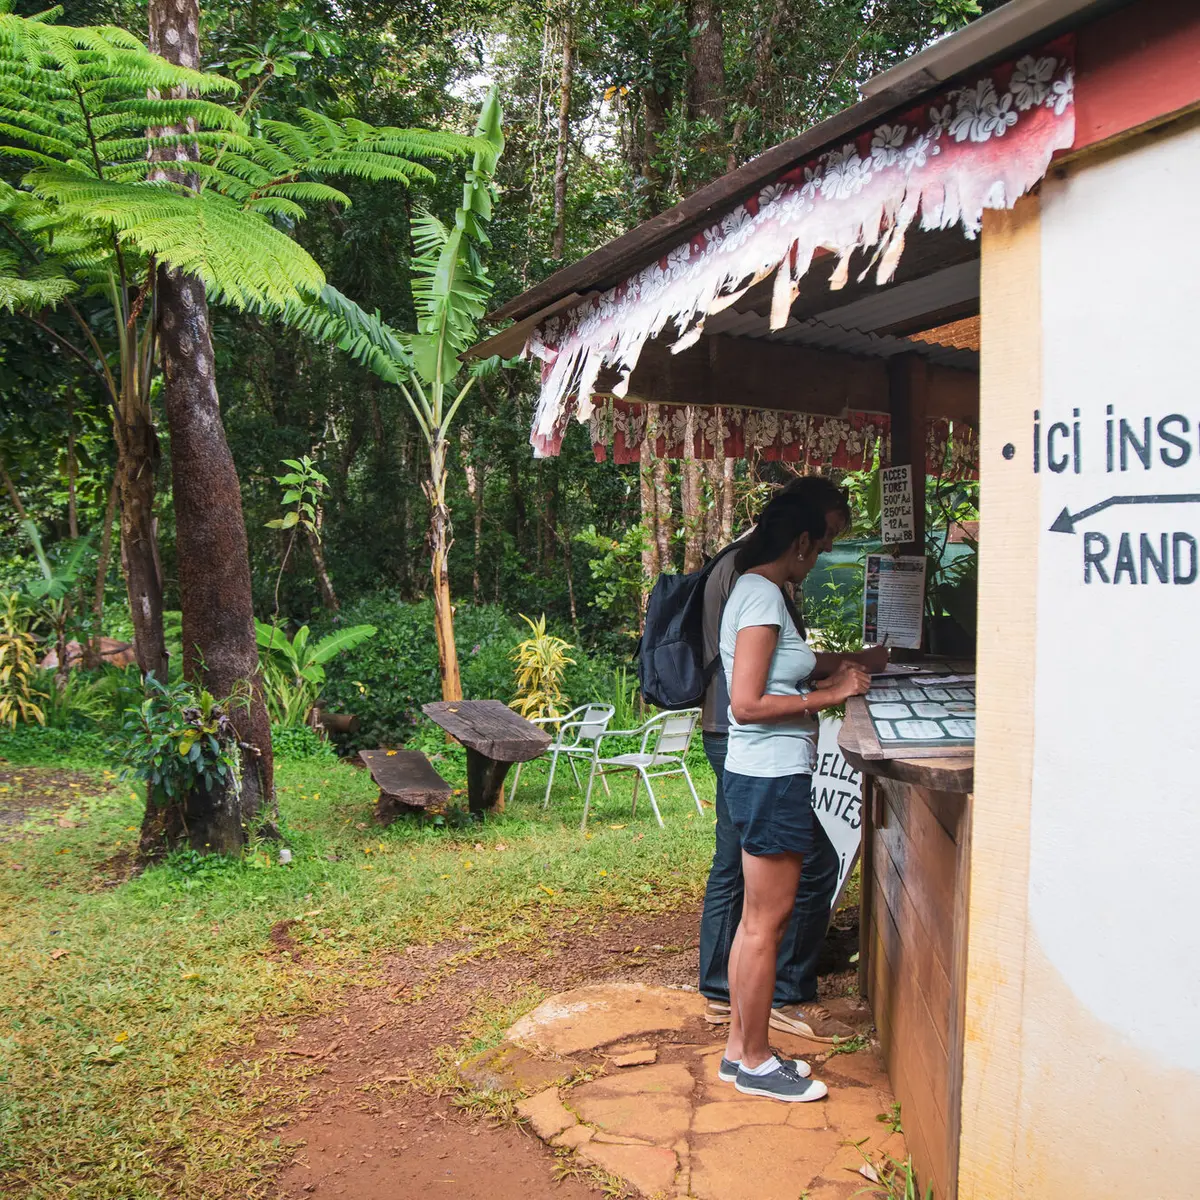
<point>717,1012</point>
<point>810,1021</point>
<point>783,1083</point>
<point>727,1072</point>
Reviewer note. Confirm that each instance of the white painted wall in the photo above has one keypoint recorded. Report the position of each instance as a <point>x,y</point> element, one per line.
<point>1114,885</point>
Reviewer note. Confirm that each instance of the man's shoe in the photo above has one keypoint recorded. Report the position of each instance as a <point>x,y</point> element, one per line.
<point>727,1071</point>
<point>810,1021</point>
<point>717,1012</point>
<point>783,1083</point>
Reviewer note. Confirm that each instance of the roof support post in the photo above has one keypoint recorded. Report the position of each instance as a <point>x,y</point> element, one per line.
<point>908,396</point>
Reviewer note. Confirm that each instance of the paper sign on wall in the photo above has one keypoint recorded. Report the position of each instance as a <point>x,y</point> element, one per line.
<point>896,505</point>
<point>894,600</point>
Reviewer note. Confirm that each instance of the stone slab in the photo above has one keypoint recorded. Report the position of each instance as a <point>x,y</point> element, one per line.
<point>574,1137</point>
<point>636,1058</point>
<point>587,1018</point>
<point>650,1169</point>
<point>546,1114</point>
<point>662,1119</point>
<point>510,1068</point>
<point>760,1162</point>
<point>735,1114</point>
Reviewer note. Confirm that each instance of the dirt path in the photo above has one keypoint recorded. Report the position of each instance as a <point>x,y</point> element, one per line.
<point>365,1133</point>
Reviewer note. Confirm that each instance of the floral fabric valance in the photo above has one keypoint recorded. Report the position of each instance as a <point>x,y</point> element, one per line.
<point>941,163</point>
<point>848,443</point>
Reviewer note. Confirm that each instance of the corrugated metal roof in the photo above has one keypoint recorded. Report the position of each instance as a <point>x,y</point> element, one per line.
<point>850,328</point>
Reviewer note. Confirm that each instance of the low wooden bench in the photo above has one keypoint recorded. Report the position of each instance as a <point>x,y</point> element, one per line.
<point>407,782</point>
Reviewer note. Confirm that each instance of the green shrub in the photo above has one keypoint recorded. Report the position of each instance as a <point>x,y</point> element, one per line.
<point>33,745</point>
<point>299,742</point>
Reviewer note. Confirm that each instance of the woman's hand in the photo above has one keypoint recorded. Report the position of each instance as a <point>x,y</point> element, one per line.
<point>850,679</point>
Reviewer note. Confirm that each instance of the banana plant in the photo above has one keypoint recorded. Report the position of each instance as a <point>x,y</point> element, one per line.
<point>450,289</point>
<point>294,668</point>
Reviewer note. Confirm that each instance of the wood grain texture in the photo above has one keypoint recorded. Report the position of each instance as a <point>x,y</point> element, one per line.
<point>998,905</point>
<point>406,779</point>
<point>916,944</point>
<point>490,728</point>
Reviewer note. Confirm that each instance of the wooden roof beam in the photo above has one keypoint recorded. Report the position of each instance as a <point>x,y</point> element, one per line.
<point>740,372</point>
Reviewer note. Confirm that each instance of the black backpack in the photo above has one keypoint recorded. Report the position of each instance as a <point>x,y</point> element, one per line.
<point>672,672</point>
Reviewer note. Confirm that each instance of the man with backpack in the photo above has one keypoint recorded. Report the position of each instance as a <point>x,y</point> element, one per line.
<point>794,1008</point>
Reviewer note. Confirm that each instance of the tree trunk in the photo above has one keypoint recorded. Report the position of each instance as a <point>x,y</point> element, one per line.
<point>219,648</point>
<point>440,541</point>
<point>762,67</point>
<point>692,496</point>
<point>91,653</point>
<point>475,492</point>
<point>650,561</point>
<point>72,467</point>
<point>328,595</point>
<point>654,126</point>
<point>706,70</point>
<point>137,465</point>
<point>564,135</point>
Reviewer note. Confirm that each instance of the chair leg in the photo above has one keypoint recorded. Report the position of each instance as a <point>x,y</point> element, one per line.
<point>587,799</point>
<point>550,781</point>
<point>688,776</point>
<point>574,771</point>
<point>637,780</point>
<point>653,801</point>
<point>516,780</point>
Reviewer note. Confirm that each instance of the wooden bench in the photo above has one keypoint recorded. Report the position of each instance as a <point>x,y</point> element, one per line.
<point>407,782</point>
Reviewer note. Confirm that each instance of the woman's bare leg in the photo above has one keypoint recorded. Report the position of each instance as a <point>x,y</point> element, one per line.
<point>771,882</point>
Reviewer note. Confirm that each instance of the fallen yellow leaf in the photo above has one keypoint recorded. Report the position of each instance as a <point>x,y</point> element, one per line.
<point>316,795</point>
<point>467,865</point>
<point>616,827</point>
<point>121,1037</point>
<point>445,876</point>
<point>57,954</point>
<point>548,890</point>
<point>191,975</point>
<point>603,874</point>
<point>392,753</point>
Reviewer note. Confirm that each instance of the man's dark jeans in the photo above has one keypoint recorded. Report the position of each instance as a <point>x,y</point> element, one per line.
<point>796,968</point>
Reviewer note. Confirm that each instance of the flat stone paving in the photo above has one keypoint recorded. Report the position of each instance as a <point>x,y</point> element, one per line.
<point>669,1127</point>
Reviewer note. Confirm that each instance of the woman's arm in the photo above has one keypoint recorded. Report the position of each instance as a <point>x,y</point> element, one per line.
<point>748,697</point>
<point>873,660</point>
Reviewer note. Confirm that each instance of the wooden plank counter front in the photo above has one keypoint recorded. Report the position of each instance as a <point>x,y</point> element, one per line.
<point>913,937</point>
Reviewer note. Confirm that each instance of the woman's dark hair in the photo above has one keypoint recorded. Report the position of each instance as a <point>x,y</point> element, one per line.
<point>823,492</point>
<point>786,517</point>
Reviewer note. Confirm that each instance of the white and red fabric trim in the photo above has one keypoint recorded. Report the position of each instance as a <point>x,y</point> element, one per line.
<point>939,164</point>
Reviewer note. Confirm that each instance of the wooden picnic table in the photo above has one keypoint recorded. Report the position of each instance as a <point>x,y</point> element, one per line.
<point>495,738</point>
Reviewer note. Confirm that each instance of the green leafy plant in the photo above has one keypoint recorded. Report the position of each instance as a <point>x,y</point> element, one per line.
<point>302,487</point>
<point>294,668</point>
<point>19,693</point>
<point>893,1180</point>
<point>180,738</point>
<point>74,698</point>
<point>541,663</point>
<point>616,566</point>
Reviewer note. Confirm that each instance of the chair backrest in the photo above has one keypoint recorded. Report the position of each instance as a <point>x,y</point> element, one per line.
<point>594,721</point>
<point>675,730</point>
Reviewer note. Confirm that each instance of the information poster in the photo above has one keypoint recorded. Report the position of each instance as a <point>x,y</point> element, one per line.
<point>894,600</point>
<point>896,505</point>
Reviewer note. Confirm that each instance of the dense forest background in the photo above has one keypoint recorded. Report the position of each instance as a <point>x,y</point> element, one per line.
<point>614,110</point>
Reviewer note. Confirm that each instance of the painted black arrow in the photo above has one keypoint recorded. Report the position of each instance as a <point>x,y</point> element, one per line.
<point>1065,522</point>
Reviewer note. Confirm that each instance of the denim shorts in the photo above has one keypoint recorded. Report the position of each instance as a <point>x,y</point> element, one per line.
<point>771,816</point>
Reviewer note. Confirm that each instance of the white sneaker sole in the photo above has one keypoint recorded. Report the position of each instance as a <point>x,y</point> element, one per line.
<point>815,1091</point>
<point>799,1028</point>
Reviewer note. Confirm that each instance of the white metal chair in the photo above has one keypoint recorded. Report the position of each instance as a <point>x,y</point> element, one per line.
<point>578,736</point>
<point>666,739</point>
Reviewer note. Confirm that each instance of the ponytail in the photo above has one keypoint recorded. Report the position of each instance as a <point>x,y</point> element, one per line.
<point>779,525</point>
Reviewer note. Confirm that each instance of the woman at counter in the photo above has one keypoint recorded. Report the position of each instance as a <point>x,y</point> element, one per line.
<point>774,703</point>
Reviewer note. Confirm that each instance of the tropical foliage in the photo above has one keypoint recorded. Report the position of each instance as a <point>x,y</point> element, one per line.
<point>294,668</point>
<point>19,692</point>
<point>541,664</point>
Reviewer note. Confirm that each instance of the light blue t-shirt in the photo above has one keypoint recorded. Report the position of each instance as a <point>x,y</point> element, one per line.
<point>788,747</point>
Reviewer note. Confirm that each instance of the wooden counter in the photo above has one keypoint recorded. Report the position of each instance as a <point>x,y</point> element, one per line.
<point>913,936</point>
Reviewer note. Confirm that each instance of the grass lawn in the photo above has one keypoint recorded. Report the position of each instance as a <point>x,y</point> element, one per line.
<point>122,1005</point>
